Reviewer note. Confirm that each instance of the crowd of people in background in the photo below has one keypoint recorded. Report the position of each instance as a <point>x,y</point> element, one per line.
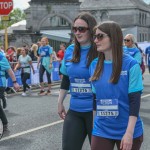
<point>22,59</point>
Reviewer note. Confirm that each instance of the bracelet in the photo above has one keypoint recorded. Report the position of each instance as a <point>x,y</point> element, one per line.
<point>14,81</point>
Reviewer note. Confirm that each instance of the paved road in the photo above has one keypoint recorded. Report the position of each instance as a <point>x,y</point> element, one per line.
<point>35,125</point>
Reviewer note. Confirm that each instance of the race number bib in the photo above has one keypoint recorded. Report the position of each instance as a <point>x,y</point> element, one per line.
<point>43,53</point>
<point>80,86</point>
<point>107,108</point>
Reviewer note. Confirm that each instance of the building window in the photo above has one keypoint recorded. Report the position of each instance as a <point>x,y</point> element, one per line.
<point>63,22</point>
<point>140,37</point>
<point>140,18</point>
<point>145,19</point>
<point>104,16</point>
<point>58,21</point>
<point>143,38</point>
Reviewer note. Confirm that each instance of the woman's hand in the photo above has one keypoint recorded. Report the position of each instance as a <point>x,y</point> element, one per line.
<point>127,141</point>
<point>15,70</point>
<point>61,111</point>
<point>16,86</point>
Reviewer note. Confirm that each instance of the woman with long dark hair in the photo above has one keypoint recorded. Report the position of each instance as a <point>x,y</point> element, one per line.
<point>117,81</point>
<point>75,68</point>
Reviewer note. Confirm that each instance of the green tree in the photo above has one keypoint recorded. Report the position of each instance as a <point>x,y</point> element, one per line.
<point>15,16</point>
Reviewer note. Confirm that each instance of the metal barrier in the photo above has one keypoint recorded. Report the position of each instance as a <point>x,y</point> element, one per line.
<point>34,78</point>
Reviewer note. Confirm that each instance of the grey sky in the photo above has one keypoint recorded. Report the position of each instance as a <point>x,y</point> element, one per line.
<point>22,4</point>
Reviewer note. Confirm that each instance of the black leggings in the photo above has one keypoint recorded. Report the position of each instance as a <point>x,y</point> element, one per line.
<point>24,77</point>
<point>2,113</point>
<point>41,72</point>
<point>77,125</point>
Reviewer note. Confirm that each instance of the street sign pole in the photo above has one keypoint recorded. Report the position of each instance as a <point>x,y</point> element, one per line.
<point>5,20</point>
<point>6,39</point>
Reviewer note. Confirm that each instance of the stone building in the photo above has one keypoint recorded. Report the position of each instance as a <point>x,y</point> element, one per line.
<point>47,15</point>
<point>53,18</point>
<point>132,15</point>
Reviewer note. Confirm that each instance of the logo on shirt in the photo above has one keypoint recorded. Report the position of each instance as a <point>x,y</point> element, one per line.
<point>123,73</point>
<point>79,80</point>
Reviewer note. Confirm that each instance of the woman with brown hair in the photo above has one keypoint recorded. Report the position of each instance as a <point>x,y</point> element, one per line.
<point>75,68</point>
<point>25,63</point>
<point>117,80</point>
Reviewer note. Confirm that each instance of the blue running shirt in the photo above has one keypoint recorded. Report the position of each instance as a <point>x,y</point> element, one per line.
<point>147,52</point>
<point>4,65</point>
<point>45,51</point>
<point>134,52</point>
<point>112,100</point>
<point>80,87</point>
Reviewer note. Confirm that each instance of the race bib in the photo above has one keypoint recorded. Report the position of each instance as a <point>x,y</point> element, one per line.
<point>43,53</point>
<point>80,86</point>
<point>107,108</point>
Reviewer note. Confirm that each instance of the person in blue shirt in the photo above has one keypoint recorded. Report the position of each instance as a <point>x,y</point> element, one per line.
<point>131,49</point>
<point>5,67</point>
<point>75,65</point>
<point>147,58</point>
<point>117,82</point>
<point>45,62</point>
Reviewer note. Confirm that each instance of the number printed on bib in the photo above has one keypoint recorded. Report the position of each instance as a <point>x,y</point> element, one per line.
<point>107,108</point>
<point>80,86</point>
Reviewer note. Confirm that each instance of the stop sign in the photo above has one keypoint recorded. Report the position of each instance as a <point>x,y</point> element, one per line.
<point>6,6</point>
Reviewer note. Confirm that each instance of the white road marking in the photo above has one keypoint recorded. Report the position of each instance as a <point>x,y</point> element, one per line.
<point>41,127</point>
<point>31,130</point>
<point>145,96</point>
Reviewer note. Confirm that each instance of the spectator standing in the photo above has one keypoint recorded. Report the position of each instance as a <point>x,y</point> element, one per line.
<point>33,52</point>
<point>60,55</point>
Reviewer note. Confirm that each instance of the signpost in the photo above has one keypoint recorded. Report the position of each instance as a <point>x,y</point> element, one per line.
<point>6,6</point>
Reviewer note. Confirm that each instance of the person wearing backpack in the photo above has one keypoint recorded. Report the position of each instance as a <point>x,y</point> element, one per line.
<point>131,49</point>
<point>134,51</point>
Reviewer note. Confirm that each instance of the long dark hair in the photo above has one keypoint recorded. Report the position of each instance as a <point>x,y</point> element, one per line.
<point>113,30</point>
<point>90,20</point>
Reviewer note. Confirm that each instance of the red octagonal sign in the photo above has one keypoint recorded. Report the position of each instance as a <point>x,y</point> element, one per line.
<point>6,6</point>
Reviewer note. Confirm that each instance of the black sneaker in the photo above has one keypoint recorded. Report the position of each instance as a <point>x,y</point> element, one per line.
<point>48,92</point>
<point>42,93</point>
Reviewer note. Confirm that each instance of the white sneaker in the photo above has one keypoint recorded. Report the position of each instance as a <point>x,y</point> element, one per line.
<point>24,94</point>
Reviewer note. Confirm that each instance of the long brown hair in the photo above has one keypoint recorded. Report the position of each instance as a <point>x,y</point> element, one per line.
<point>113,30</point>
<point>90,20</point>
